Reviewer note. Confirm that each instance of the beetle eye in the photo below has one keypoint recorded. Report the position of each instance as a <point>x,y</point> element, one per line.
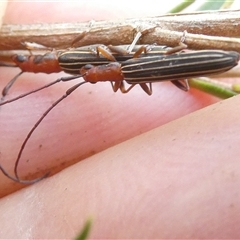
<point>21,58</point>
<point>88,66</point>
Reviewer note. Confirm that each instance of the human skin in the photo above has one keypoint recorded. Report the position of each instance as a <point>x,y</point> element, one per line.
<point>180,179</point>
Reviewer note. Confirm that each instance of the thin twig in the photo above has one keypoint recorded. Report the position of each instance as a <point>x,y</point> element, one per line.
<point>165,29</point>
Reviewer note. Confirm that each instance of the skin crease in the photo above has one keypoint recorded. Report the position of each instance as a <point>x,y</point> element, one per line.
<point>179,180</point>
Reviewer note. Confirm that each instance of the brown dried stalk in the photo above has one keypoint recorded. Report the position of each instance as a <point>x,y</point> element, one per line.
<point>212,29</point>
